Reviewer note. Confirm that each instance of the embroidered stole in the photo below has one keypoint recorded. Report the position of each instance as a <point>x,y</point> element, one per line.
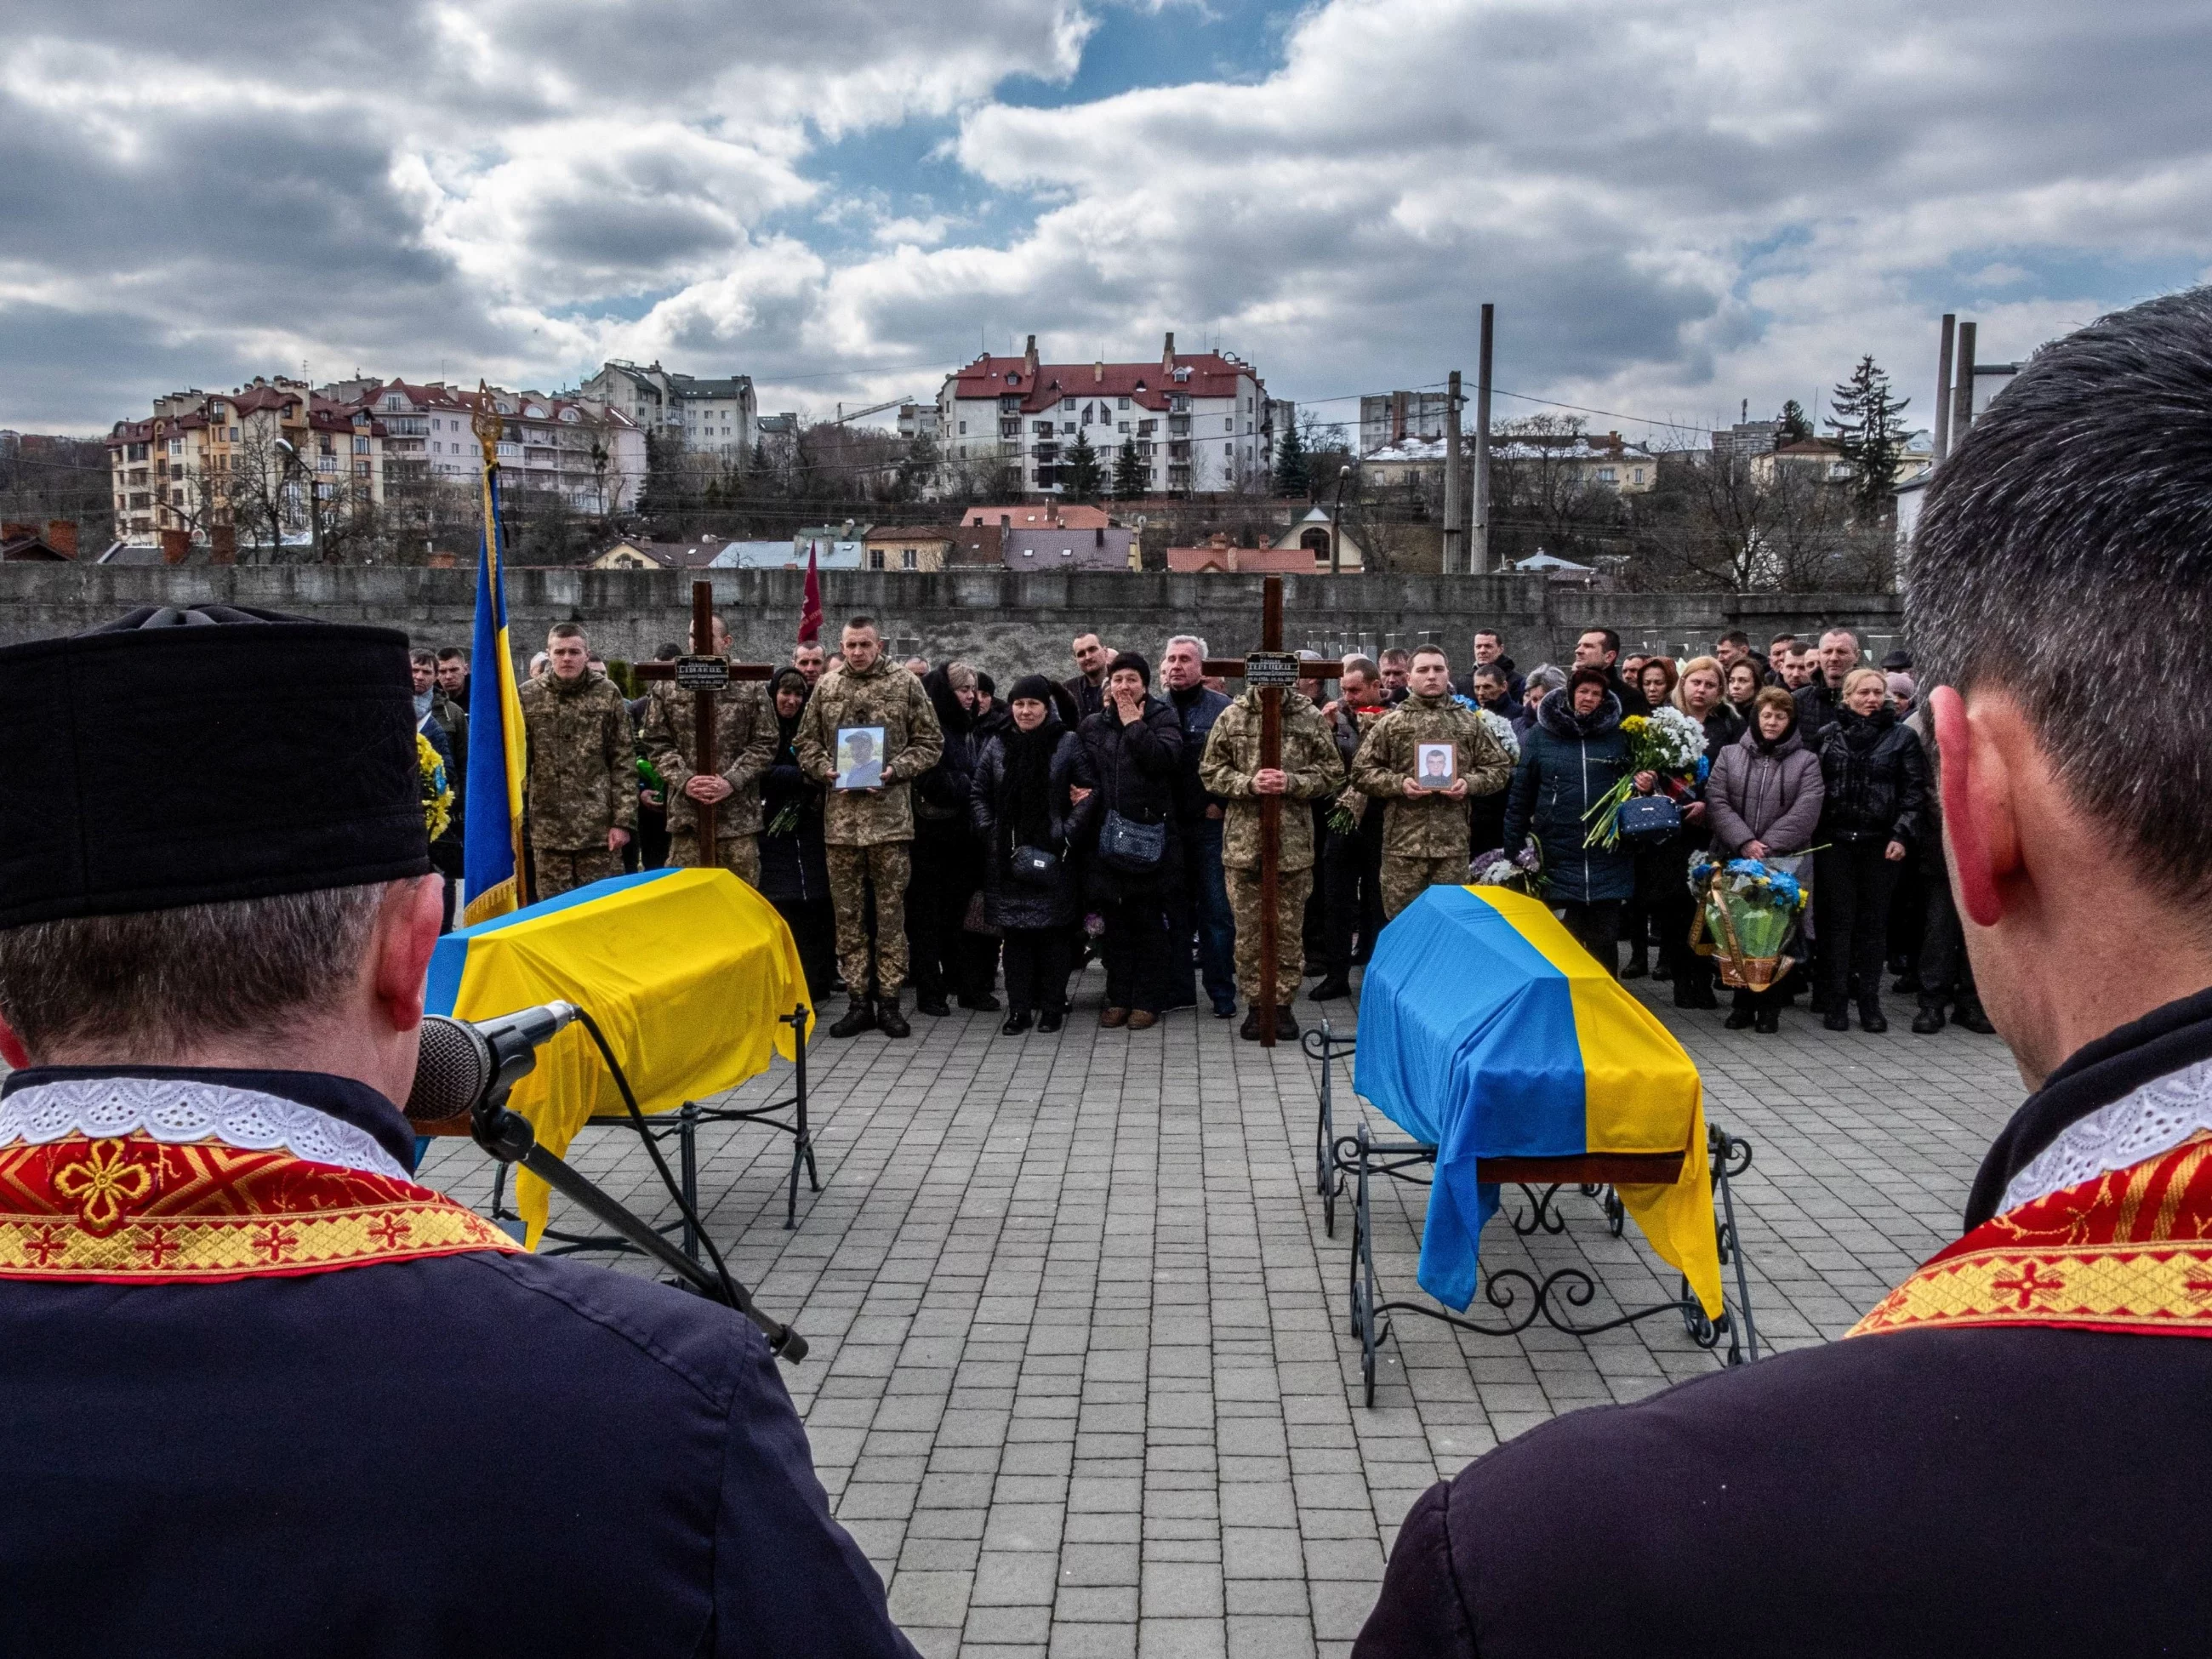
<point>2128,1251</point>
<point>132,1210</point>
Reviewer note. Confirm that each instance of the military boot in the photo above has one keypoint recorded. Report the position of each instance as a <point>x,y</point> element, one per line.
<point>888,1020</point>
<point>860,1016</point>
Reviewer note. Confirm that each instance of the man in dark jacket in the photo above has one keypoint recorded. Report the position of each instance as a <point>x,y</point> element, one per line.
<point>1490,653</point>
<point>1200,902</point>
<point>1087,686</point>
<point>2007,1454</point>
<point>1573,755</point>
<point>265,1393</point>
<point>1600,648</point>
<point>1820,698</point>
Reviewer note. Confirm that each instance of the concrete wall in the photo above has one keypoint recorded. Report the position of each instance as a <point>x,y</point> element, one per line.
<point>1005,622</point>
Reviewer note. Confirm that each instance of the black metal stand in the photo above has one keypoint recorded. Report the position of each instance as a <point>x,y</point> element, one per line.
<point>1325,1045</point>
<point>1519,1298</point>
<point>685,1129</point>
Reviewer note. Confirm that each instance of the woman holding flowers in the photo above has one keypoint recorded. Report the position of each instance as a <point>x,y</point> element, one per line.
<point>1571,758</point>
<point>1763,800</point>
<point>1876,779</point>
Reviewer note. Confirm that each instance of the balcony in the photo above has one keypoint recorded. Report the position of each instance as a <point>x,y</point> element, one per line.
<point>1178,426</point>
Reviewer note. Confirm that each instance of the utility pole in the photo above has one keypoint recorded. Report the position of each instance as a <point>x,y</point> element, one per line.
<point>1962,395</point>
<point>1453,544</point>
<point>1943,435</point>
<point>1478,562</point>
<point>1336,525</point>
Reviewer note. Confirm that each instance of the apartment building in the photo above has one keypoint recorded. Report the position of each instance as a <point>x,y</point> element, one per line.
<point>206,463</point>
<point>592,454</point>
<point>712,416</point>
<point>1201,421</point>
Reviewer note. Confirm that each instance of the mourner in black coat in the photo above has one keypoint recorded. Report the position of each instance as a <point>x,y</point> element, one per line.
<point>1025,798</point>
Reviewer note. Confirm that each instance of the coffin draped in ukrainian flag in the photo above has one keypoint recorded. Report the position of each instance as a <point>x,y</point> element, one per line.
<point>1486,1029</point>
<point>688,972</point>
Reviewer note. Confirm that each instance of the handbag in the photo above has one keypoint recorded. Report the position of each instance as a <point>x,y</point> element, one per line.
<point>1033,866</point>
<point>977,920</point>
<point>1133,848</point>
<point>1648,817</point>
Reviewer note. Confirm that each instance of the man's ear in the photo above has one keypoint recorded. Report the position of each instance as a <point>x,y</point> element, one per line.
<point>406,933</point>
<point>1978,816</point>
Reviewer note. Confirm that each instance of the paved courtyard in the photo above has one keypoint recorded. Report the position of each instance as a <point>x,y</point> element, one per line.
<point>1080,1383</point>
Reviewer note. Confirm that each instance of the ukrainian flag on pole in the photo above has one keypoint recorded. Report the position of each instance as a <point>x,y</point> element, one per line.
<point>491,851</point>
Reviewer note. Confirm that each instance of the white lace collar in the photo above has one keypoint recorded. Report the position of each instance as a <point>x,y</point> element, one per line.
<point>2154,1119</point>
<point>177,1109</point>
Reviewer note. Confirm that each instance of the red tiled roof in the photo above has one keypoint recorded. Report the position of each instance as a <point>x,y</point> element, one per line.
<point>1288,561</point>
<point>1145,385</point>
<point>1048,516</point>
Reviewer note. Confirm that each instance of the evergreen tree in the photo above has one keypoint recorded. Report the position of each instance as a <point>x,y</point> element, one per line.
<point>1868,432</point>
<point>1131,477</point>
<point>1079,471</point>
<point>1792,426</point>
<point>1291,477</point>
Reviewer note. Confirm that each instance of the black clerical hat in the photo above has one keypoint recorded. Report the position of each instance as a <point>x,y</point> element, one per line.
<point>193,757</point>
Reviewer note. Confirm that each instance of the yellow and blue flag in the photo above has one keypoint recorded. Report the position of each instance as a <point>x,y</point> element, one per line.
<point>491,843</point>
<point>690,973</point>
<point>1486,1029</point>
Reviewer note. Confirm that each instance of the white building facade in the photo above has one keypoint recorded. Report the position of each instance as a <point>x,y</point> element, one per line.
<point>592,455</point>
<point>710,416</point>
<point>1201,421</point>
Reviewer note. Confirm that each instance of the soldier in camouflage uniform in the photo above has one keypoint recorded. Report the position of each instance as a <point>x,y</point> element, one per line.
<point>745,740</point>
<point>581,794</point>
<point>868,834</point>
<point>1230,768</point>
<point>1424,829</point>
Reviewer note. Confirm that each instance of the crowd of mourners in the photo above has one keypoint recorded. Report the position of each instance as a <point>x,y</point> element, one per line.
<point>922,822</point>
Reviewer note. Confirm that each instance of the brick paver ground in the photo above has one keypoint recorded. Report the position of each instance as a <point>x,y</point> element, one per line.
<point>1080,1385</point>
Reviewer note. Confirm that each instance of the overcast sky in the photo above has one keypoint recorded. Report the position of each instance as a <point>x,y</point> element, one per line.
<point>1675,205</point>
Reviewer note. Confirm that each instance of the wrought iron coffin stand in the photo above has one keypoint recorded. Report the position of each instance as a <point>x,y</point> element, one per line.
<point>1519,1298</point>
<point>683,1124</point>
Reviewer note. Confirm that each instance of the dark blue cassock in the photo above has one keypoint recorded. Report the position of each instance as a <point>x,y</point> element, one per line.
<point>2019,1492</point>
<point>479,1454</point>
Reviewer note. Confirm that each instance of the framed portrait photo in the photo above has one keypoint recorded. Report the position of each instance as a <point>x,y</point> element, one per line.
<point>859,756</point>
<point>1436,764</point>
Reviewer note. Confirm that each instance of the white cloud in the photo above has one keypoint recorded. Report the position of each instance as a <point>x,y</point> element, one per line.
<point>1698,201</point>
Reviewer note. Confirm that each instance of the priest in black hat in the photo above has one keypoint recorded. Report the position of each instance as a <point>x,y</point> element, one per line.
<point>260,1392</point>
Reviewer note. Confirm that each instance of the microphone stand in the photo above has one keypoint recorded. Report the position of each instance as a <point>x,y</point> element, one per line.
<point>508,1137</point>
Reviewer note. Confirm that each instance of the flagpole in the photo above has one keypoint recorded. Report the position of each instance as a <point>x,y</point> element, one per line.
<point>494,856</point>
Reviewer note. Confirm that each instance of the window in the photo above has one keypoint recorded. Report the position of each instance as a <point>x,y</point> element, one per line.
<point>359,444</point>
<point>1067,428</point>
<point>1606,475</point>
<point>909,559</point>
<point>361,468</point>
<point>1121,403</point>
<point>1228,423</point>
<point>1123,427</point>
<point>963,428</point>
<point>1639,475</point>
<point>233,435</point>
<point>875,558</point>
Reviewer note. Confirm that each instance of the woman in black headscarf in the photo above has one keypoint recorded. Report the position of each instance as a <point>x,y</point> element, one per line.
<point>1135,746</point>
<point>794,874</point>
<point>1034,793</point>
<point>947,867</point>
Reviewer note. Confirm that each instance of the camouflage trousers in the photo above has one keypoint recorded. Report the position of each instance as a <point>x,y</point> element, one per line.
<point>1292,888</point>
<point>740,855</point>
<point>1404,878</point>
<point>561,869</point>
<point>889,865</point>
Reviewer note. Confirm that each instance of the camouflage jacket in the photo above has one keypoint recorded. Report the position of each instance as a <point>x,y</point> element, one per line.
<point>1429,827</point>
<point>1311,767</point>
<point>889,697</point>
<point>744,742</point>
<point>583,761</point>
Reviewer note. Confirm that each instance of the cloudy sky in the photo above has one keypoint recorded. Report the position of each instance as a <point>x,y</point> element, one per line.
<point>1675,205</point>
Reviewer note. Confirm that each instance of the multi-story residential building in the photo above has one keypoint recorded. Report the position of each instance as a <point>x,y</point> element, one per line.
<point>226,462</point>
<point>712,416</point>
<point>592,455</point>
<point>1390,418</point>
<point>1606,459</point>
<point>1201,422</point>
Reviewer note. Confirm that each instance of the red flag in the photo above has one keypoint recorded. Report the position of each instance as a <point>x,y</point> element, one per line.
<point>809,614</point>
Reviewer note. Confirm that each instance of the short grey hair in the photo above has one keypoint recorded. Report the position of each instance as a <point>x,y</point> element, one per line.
<point>2079,501</point>
<point>149,984</point>
<point>1547,676</point>
<point>1175,640</point>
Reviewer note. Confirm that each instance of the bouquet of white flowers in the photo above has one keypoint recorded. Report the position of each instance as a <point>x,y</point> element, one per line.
<point>1501,729</point>
<point>1666,741</point>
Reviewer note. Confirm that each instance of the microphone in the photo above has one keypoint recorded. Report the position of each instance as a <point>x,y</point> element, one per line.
<point>465,1064</point>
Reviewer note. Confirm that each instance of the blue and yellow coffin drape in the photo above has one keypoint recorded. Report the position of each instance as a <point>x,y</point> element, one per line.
<point>687,971</point>
<point>1486,1029</point>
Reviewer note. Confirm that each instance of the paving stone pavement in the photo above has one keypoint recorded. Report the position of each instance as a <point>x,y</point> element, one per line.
<point>1079,1382</point>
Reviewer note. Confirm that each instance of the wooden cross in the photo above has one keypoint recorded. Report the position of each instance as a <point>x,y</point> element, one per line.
<point>703,674</point>
<point>1270,661</point>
